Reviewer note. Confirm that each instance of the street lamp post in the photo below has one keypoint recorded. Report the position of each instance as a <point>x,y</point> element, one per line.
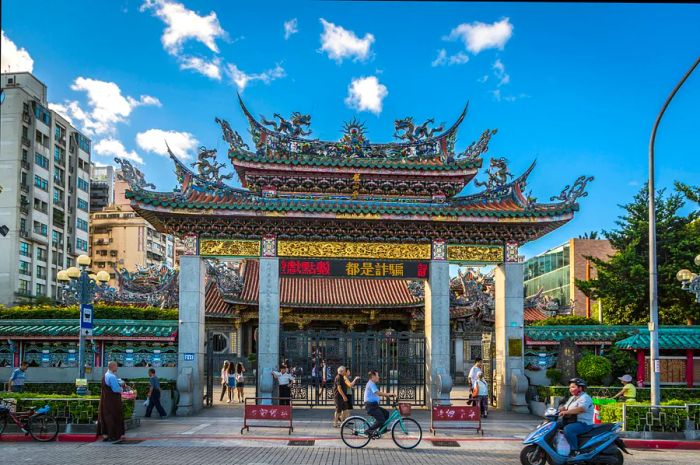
<point>79,284</point>
<point>690,281</point>
<point>653,289</point>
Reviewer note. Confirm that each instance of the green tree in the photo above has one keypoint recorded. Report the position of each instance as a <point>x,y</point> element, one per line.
<point>589,235</point>
<point>623,281</point>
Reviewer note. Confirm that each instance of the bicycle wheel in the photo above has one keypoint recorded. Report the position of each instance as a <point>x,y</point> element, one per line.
<point>406,433</point>
<point>43,428</point>
<point>353,432</point>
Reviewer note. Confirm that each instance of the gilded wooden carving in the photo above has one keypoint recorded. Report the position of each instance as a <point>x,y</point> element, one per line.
<point>474,253</point>
<point>313,249</point>
<point>228,248</point>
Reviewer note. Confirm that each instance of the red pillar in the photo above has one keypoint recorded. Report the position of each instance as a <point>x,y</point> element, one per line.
<point>641,365</point>
<point>689,368</point>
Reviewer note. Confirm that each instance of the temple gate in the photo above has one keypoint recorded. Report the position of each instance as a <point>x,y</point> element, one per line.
<point>352,201</point>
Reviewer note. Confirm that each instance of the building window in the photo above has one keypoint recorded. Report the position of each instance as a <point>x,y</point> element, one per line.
<point>81,245</point>
<point>57,195</point>
<point>41,183</point>
<point>60,132</point>
<point>41,206</point>
<point>83,143</point>
<point>25,268</point>
<point>81,224</point>
<point>41,160</point>
<point>41,254</point>
<point>23,287</point>
<point>25,249</point>
<point>59,155</point>
<point>58,175</point>
<point>40,272</point>
<point>57,238</point>
<point>41,228</point>
<point>40,289</point>
<point>42,114</point>
<point>83,205</point>
<point>83,185</point>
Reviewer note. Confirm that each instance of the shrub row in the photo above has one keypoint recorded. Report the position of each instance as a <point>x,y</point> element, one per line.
<point>77,410</point>
<point>643,394</point>
<point>68,389</point>
<point>641,418</point>
<point>102,312</point>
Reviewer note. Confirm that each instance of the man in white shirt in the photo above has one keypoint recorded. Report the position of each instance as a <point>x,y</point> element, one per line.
<point>285,380</point>
<point>579,404</point>
<point>474,372</point>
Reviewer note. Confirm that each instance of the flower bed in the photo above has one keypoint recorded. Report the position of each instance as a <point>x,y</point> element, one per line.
<point>67,408</point>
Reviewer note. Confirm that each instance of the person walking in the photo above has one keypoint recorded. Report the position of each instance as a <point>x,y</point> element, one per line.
<point>154,393</point>
<point>240,381</point>
<point>110,418</point>
<point>349,385</point>
<point>224,381</point>
<point>481,392</point>
<point>339,396</point>
<point>19,375</point>
<point>285,380</point>
<point>372,395</point>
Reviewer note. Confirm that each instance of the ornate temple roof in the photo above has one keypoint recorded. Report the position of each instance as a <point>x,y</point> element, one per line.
<point>679,337</point>
<point>351,184</point>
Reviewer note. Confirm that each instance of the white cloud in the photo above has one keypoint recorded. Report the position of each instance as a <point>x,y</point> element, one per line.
<point>14,59</point>
<point>290,28</point>
<point>499,97</point>
<point>443,59</point>
<point>62,110</point>
<point>483,78</point>
<point>211,69</point>
<point>184,24</point>
<point>154,140</point>
<point>478,36</point>
<point>339,43</point>
<point>366,93</point>
<point>107,106</point>
<point>241,78</point>
<point>113,148</point>
<point>499,70</point>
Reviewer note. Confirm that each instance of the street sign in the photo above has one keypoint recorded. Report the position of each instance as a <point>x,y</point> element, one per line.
<point>86,316</point>
<point>188,357</point>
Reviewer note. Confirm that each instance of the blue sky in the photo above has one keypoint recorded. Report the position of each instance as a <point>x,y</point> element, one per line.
<point>576,87</point>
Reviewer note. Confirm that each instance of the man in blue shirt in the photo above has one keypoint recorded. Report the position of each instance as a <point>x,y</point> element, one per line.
<point>110,418</point>
<point>154,395</point>
<point>372,395</point>
<point>16,382</point>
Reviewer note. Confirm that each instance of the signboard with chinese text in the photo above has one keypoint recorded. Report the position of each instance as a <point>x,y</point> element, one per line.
<point>455,417</point>
<point>361,268</point>
<point>266,416</point>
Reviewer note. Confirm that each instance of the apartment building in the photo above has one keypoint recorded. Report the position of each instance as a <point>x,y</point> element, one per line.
<point>101,187</point>
<point>45,199</point>
<point>121,238</point>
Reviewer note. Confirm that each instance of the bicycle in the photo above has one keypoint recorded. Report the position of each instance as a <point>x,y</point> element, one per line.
<point>405,432</point>
<point>37,423</point>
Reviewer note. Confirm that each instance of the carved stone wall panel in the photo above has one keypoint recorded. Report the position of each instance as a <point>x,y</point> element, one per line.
<point>475,253</point>
<point>229,248</point>
<point>373,250</point>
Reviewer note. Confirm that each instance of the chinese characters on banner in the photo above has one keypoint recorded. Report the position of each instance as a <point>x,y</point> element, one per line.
<point>354,268</point>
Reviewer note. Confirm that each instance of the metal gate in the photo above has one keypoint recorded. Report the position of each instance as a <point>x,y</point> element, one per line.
<point>212,366</point>
<point>488,352</point>
<point>399,357</point>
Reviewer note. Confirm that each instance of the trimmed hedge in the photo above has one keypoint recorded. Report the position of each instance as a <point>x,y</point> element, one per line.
<point>68,389</point>
<point>641,418</point>
<point>69,409</point>
<point>101,312</point>
<point>567,320</point>
<point>643,394</point>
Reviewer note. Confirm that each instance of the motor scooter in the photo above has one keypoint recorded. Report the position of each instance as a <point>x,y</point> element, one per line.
<point>601,445</point>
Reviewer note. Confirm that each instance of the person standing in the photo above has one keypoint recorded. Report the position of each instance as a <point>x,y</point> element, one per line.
<point>482,395</point>
<point>154,393</point>
<point>349,385</point>
<point>339,396</point>
<point>372,395</point>
<point>473,376</point>
<point>285,380</point>
<point>325,374</point>
<point>224,381</point>
<point>240,381</point>
<point>19,375</point>
<point>110,418</point>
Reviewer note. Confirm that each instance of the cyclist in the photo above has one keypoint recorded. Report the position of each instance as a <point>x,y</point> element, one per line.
<point>372,395</point>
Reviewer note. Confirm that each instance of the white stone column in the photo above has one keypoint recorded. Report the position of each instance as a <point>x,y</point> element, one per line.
<point>510,382</point>
<point>459,354</point>
<point>437,331</point>
<point>268,325</point>
<point>191,337</point>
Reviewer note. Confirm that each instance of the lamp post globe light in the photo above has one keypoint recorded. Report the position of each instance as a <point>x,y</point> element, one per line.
<point>80,285</point>
<point>690,281</point>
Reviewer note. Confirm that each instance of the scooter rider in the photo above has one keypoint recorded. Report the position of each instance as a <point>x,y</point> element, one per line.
<point>579,404</point>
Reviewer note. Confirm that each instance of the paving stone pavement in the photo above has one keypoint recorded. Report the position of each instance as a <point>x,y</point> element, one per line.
<point>143,454</point>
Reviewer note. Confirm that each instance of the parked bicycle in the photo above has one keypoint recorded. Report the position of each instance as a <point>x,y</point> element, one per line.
<point>39,424</point>
<point>406,432</point>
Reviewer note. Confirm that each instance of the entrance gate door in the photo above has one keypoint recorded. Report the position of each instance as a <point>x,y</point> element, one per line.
<point>399,357</point>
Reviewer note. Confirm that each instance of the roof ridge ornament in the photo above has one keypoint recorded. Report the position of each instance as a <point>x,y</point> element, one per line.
<point>235,141</point>
<point>497,173</point>
<point>405,129</point>
<point>571,193</point>
<point>294,127</point>
<point>208,168</point>
<point>132,175</point>
<point>478,147</point>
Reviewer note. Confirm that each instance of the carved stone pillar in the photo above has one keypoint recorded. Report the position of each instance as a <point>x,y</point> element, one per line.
<point>437,326</point>
<point>268,319</point>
